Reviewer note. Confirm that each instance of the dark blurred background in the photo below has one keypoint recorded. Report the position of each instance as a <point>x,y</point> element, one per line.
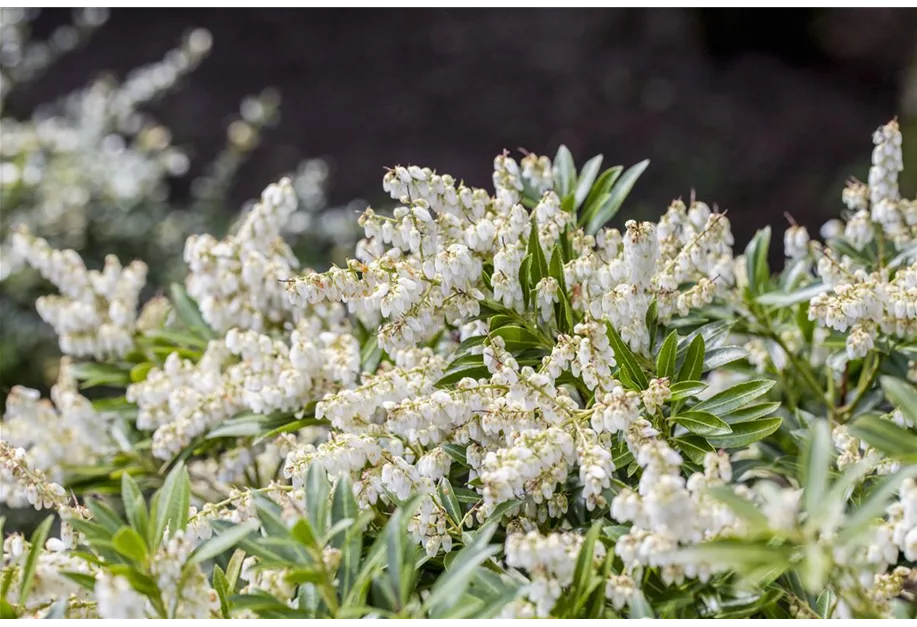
<point>761,112</point>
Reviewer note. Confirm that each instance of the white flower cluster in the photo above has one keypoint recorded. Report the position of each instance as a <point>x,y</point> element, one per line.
<point>237,281</point>
<point>82,435</point>
<point>549,562</point>
<point>667,511</point>
<point>866,302</point>
<point>95,313</point>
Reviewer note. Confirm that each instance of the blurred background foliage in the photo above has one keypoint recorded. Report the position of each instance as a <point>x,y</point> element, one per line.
<point>759,112</point>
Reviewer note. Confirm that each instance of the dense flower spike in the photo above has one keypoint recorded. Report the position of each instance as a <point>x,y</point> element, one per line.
<point>493,365</point>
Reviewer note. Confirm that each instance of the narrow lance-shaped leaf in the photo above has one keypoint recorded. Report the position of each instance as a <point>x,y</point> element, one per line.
<point>692,367</point>
<point>564,171</point>
<point>617,196</point>
<point>585,180</point>
<point>665,360</point>
<point>28,572</point>
<point>626,359</point>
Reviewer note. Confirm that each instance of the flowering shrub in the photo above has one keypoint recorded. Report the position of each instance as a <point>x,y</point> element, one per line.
<point>498,407</point>
<point>92,172</point>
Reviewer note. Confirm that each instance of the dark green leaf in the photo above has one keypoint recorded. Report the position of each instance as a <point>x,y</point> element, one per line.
<point>686,389</point>
<point>750,412</point>
<point>665,360</point>
<point>517,338</point>
<point>539,265</point>
<point>692,367</point>
<point>599,194</point>
<point>702,423</point>
<point>746,433</point>
<point>756,261</point>
<point>619,193</point>
<point>626,359</point>
<point>735,397</point>
<point>722,355</point>
<point>456,452</point>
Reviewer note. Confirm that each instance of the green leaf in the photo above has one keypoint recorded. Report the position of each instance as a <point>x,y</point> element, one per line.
<point>134,504</point>
<point>886,436</point>
<point>702,423</point>
<point>735,397</point>
<point>128,543</point>
<point>902,394</point>
<point>474,369</point>
<point>598,194</point>
<point>250,424</point>
<point>746,433</point>
<point>465,347</point>
<point>815,567</point>
<point>816,463</point>
<point>170,506</point>
<point>756,261</point>
<point>564,313</point>
<point>539,265</point>
<point>788,299</point>
<point>750,412</point>
<point>140,371</point>
<point>370,354</point>
<point>105,516</point>
<point>585,180</point>
<point>619,193</point>
<point>875,504</point>
<point>234,568</point>
<point>564,171</point>
<point>450,502</point>
<point>394,550</point>
<point>556,267</point>
<point>188,312</point>
<point>714,334</point>
<point>222,542</point>
<point>692,367</point>
<point>221,586</point>
<point>626,359</point>
<point>6,610</point>
<point>303,533</point>
<point>694,447</point>
<point>37,542</point>
<point>722,355</point>
<point>737,553</point>
<point>517,338</point>
<point>456,452</point>
<point>686,389</point>
<point>584,563</point>
<point>451,585</point>
<point>87,582</point>
<point>351,544</point>
<point>652,323</point>
<point>91,374</point>
<point>665,360</point>
<point>640,607</point>
<point>317,493</point>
